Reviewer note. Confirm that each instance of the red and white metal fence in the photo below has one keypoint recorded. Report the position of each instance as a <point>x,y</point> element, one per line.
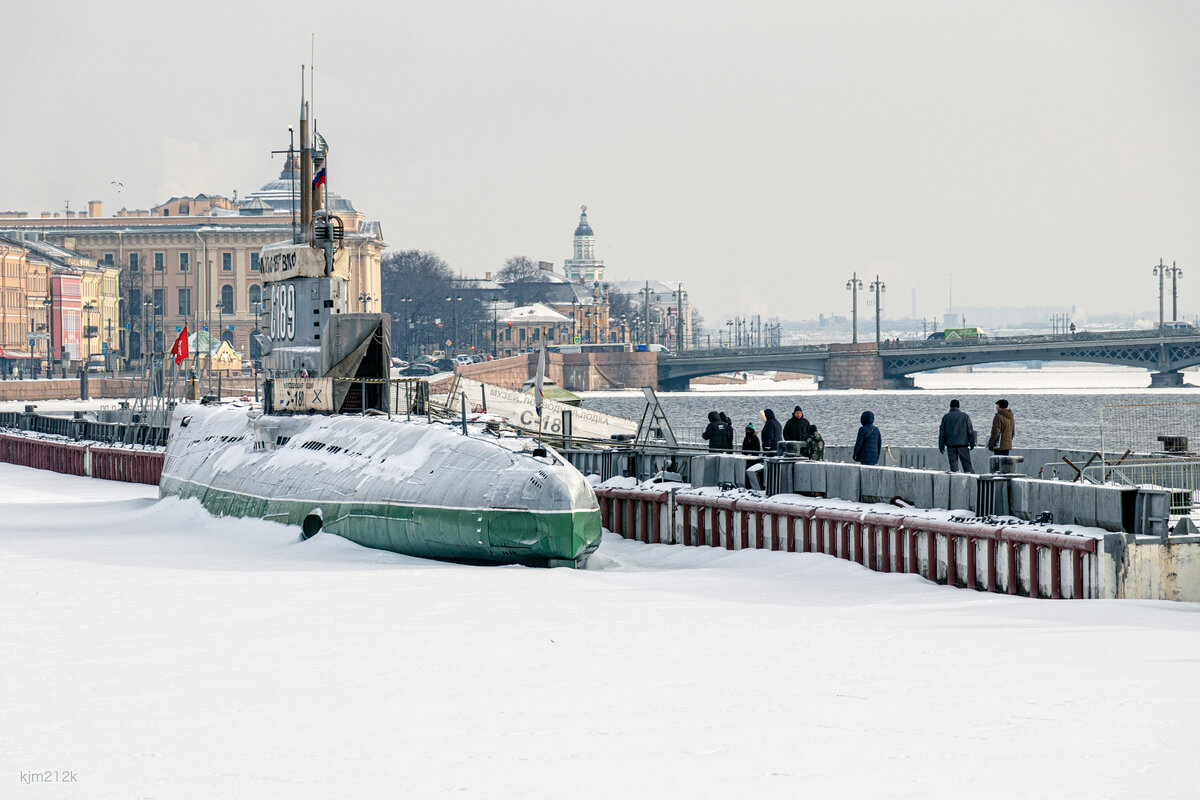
<point>79,458</point>
<point>994,558</point>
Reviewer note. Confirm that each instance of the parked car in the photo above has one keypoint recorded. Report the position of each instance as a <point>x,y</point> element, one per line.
<point>463,360</point>
<point>399,363</point>
<point>418,371</point>
<point>444,365</point>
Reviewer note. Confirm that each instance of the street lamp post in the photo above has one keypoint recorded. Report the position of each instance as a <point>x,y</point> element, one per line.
<point>1175,273</point>
<point>256,358</point>
<point>878,287</point>
<point>1160,271</point>
<point>453,300</point>
<point>364,299</point>
<point>49,304</point>
<point>854,284</point>
<point>89,309</point>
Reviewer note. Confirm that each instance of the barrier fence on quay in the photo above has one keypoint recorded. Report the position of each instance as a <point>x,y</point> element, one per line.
<point>83,459</point>
<point>987,557</point>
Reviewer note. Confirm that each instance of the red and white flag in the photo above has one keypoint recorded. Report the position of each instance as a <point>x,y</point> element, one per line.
<point>179,349</point>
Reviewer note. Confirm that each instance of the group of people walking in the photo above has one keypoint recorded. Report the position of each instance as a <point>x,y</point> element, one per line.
<point>956,436</point>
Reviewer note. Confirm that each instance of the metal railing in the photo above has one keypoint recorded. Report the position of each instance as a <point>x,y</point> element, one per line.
<point>1180,475</point>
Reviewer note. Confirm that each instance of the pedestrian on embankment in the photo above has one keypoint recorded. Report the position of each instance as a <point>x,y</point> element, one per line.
<point>796,429</point>
<point>956,438</point>
<point>1003,427</point>
<point>772,432</point>
<point>750,443</point>
<point>718,434</point>
<point>869,442</point>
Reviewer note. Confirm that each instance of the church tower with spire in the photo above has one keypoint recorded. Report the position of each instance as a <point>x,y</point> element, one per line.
<point>584,267</point>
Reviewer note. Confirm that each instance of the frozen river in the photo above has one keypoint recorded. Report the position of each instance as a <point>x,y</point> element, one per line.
<point>1053,408</point>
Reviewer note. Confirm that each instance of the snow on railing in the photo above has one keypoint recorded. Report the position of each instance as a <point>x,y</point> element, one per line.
<point>967,554</point>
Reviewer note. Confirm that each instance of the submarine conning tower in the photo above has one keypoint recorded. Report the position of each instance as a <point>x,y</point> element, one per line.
<point>319,357</point>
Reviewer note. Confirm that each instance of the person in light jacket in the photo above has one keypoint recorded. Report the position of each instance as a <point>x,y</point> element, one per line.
<point>869,442</point>
<point>1003,427</point>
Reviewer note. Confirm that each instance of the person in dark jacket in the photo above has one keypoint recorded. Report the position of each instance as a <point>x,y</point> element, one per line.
<point>751,447</point>
<point>956,436</point>
<point>869,441</point>
<point>718,433</point>
<point>796,429</point>
<point>772,433</point>
<point>816,444</point>
<point>750,443</point>
<point>1003,427</point>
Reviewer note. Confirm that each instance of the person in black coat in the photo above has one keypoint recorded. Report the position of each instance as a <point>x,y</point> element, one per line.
<point>718,434</point>
<point>751,444</point>
<point>957,436</point>
<point>772,433</point>
<point>796,429</point>
<point>869,441</point>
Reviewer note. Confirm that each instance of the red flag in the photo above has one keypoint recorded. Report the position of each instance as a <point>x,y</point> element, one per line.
<point>179,349</point>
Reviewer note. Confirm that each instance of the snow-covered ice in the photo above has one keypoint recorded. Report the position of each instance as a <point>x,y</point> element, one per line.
<point>158,652</point>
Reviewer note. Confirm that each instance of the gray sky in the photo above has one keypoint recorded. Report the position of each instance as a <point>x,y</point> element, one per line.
<point>1042,152</point>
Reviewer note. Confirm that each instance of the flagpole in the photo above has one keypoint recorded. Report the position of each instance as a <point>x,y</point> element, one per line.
<point>538,394</point>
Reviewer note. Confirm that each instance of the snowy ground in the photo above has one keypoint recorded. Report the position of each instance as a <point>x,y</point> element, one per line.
<point>157,652</point>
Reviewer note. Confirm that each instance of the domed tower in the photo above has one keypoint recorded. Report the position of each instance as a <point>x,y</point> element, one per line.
<point>584,267</point>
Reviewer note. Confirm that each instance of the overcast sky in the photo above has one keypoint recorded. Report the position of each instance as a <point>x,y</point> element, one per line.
<point>1042,152</point>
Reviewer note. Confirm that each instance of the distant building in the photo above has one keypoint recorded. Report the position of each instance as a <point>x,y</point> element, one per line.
<point>584,268</point>
<point>194,260</point>
<point>524,328</point>
<point>663,318</point>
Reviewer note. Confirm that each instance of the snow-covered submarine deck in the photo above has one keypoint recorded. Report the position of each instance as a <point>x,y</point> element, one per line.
<point>417,488</point>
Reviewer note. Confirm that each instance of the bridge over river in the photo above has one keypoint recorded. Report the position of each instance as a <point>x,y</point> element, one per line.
<point>865,366</point>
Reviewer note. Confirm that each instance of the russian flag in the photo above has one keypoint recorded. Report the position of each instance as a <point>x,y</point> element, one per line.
<point>319,178</point>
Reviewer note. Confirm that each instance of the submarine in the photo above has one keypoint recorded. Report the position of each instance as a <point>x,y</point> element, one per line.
<point>325,453</point>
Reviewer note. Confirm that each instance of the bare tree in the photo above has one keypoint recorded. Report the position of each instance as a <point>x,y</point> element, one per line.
<point>518,269</point>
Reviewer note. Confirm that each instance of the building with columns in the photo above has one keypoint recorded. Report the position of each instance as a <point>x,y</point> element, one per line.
<point>194,261</point>
<point>584,267</point>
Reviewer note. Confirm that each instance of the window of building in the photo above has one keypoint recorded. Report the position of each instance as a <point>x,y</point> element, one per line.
<point>521,335</point>
<point>255,298</point>
<point>108,259</point>
<point>134,265</point>
<point>254,262</point>
<point>185,302</point>
<point>227,298</point>
<point>537,334</point>
<point>183,262</point>
<point>159,260</point>
<point>227,262</point>
<point>159,302</point>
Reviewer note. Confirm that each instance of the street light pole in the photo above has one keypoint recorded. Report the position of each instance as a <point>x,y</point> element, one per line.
<point>854,284</point>
<point>1175,273</point>
<point>1160,271</point>
<point>878,287</point>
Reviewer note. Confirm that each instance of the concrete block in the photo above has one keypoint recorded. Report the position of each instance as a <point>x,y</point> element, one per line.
<point>870,481</point>
<point>819,477</point>
<point>963,491</point>
<point>842,481</point>
<point>801,476</point>
<point>941,489</point>
<point>915,486</point>
<point>1083,501</point>
<point>1018,499</point>
<point>1108,508</point>
<point>1064,502</point>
